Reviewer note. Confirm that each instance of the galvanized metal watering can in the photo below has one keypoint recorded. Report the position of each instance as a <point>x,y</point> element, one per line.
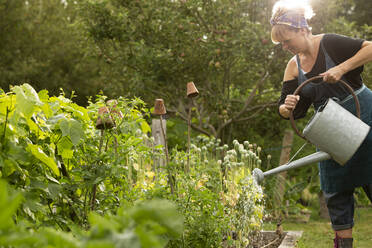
<point>336,132</point>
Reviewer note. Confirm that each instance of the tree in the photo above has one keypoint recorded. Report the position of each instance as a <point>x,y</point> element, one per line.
<point>42,44</point>
<point>154,47</point>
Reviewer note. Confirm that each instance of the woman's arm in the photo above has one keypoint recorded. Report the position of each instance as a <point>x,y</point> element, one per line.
<point>363,56</point>
<point>290,101</point>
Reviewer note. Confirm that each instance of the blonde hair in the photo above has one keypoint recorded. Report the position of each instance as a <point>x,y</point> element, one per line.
<point>279,32</point>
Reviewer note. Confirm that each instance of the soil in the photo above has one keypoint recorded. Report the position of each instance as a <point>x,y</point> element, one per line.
<point>268,240</point>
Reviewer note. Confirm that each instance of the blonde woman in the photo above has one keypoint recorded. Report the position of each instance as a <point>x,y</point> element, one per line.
<point>334,57</point>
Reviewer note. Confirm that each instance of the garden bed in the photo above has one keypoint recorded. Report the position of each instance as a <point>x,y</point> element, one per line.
<point>270,239</point>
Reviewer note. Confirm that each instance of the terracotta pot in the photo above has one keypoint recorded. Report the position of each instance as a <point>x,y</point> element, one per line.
<point>159,108</point>
<point>104,120</point>
<point>192,91</point>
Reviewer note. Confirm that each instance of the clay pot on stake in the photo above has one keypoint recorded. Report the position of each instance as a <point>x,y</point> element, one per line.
<point>159,109</point>
<point>192,92</point>
<point>104,121</point>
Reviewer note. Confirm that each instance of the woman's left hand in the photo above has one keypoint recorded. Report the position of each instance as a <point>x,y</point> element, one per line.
<point>333,75</point>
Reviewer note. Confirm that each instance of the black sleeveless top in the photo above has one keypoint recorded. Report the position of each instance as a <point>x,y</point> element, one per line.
<point>339,48</point>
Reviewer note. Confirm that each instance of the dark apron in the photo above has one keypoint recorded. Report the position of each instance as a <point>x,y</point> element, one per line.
<point>358,170</point>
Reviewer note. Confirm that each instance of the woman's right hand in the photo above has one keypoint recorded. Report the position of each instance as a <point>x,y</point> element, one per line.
<point>290,103</point>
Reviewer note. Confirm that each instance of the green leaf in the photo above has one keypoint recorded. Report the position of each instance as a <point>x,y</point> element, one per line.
<point>54,190</point>
<point>145,127</point>
<point>102,223</point>
<point>18,152</point>
<point>7,103</point>
<point>149,239</point>
<point>39,154</point>
<point>161,211</point>
<point>35,129</point>
<point>8,206</point>
<point>65,148</point>
<point>55,119</point>
<point>58,239</point>
<point>9,167</point>
<point>73,129</point>
<point>27,99</point>
<point>127,239</point>
<point>43,95</point>
<point>100,244</point>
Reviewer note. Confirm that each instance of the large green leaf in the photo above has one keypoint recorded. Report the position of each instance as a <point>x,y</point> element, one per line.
<point>73,129</point>
<point>162,212</point>
<point>65,148</point>
<point>27,99</point>
<point>8,206</point>
<point>6,104</point>
<point>60,239</point>
<point>39,154</point>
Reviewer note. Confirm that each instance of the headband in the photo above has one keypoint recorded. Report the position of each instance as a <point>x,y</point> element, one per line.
<point>293,19</point>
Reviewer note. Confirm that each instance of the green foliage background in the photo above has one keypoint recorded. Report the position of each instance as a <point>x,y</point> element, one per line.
<point>146,49</point>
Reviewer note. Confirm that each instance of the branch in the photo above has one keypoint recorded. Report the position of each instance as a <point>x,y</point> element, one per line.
<point>200,111</point>
<point>247,102</point>
<point>183,116</point>
<point>251,96</point>
<point>256,113</point>
<point>269,104</point>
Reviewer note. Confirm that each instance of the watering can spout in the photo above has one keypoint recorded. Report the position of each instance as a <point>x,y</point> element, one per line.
<point>312,158</point>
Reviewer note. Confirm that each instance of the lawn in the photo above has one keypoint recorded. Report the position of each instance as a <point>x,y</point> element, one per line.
<point>318,232</point>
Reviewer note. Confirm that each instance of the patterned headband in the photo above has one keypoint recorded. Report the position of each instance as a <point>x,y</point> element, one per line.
<point>292,19</point>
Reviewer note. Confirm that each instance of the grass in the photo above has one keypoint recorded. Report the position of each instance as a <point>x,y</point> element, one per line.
<point>318,232</point>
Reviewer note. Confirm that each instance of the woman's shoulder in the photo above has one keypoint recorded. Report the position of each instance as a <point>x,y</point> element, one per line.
<point>341,47</point>
<point>291,71</point>
<point>337,39</point>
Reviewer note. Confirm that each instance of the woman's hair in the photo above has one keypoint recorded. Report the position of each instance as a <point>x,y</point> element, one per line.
<point>289,15</point>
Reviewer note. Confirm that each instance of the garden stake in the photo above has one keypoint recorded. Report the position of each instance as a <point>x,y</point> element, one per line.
<point>105,120</point>
<point>167,156</point>
<point>188,137</point>
<point>192,92</point>
<point>160,110</point>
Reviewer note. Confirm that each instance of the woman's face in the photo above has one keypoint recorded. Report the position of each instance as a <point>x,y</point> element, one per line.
<point>293,41</point>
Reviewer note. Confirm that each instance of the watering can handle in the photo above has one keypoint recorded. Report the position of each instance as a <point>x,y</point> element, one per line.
<point>357,105</point>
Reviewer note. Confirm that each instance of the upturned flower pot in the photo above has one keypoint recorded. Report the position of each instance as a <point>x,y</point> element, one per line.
<point>104,120</point>
<point>192,91</point>
<point>159,108</point>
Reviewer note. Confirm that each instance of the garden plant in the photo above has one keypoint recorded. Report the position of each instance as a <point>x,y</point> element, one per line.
<point>67,183</point>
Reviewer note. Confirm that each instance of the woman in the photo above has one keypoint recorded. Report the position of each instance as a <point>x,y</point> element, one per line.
<point>334,57</point>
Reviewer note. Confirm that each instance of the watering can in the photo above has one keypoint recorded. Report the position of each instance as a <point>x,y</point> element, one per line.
<point>336,133</point>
